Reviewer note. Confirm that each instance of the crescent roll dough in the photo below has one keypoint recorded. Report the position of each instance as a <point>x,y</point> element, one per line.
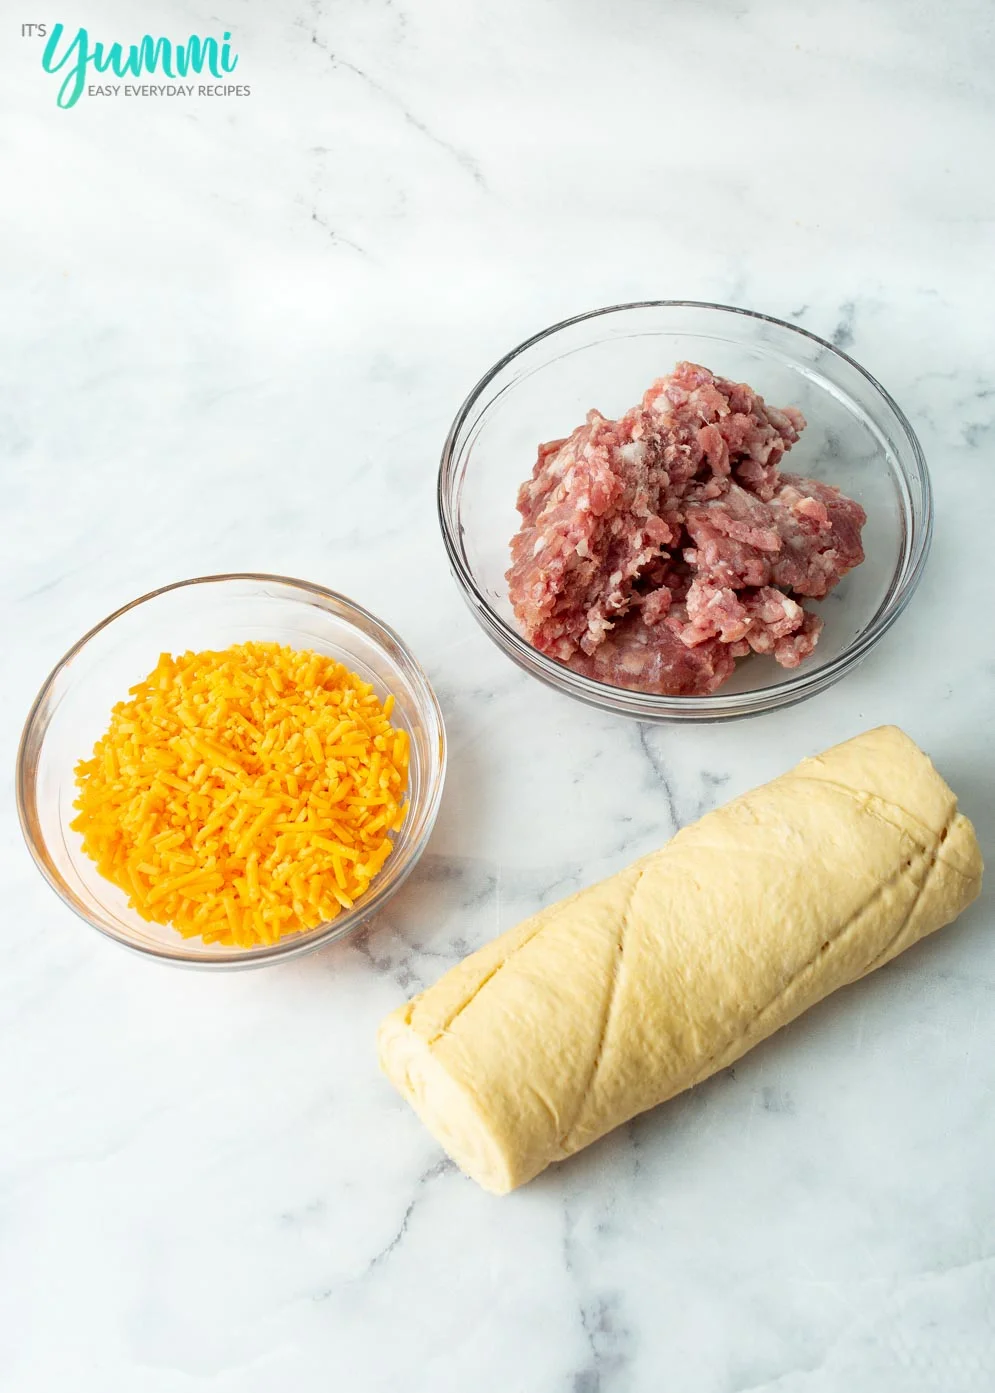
<point>622,995</point>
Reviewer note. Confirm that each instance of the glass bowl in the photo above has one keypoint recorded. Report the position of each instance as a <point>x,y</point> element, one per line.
<point>856,438</point>
<point>73,708</point>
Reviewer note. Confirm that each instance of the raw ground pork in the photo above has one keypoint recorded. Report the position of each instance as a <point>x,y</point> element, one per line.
<point>657,549</point>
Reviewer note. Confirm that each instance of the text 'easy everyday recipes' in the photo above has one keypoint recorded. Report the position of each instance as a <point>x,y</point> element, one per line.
<point>80,58</point>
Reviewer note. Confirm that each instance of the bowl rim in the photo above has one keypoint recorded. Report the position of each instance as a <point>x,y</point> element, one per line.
<point>283,949</point>
<point>648,705</point>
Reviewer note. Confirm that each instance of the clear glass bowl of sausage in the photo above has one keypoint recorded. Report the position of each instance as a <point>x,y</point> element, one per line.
<point>832,425</point>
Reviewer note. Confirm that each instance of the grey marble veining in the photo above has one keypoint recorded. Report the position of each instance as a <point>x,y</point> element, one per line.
<point>233,335</point>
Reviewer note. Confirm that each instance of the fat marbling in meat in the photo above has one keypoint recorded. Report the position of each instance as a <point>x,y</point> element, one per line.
<point>658,548</point>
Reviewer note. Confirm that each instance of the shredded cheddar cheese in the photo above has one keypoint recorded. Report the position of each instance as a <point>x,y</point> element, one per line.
<point>244,795</point>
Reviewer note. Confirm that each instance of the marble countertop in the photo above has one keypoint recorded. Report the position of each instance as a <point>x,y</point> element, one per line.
<point>235,331</point>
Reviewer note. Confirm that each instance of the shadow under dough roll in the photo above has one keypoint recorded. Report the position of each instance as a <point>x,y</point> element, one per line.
<point>615,999</point>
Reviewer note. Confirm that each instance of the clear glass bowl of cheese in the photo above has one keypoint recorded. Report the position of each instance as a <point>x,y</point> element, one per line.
<point>857,438</point>
<point>73,708</point>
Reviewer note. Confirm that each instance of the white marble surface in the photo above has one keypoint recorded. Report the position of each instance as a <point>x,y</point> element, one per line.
<point>233,335</point>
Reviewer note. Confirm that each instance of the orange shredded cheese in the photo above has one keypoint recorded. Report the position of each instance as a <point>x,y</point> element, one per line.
<point>244,795</point>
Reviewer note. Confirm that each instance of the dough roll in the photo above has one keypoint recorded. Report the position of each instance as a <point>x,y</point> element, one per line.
<point>617,998</point>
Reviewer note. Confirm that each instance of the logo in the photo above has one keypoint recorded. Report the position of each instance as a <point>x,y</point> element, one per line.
<point>78,59</point>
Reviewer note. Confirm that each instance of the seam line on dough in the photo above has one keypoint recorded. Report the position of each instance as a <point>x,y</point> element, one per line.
<point>706,1069</point>
<point>934,861</point>
<point>873,803</point>
<point>490,977</point>
<point>598,1055</point>
<point>776,854</point>
<point>952,865</point>
<point>543,916</point>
